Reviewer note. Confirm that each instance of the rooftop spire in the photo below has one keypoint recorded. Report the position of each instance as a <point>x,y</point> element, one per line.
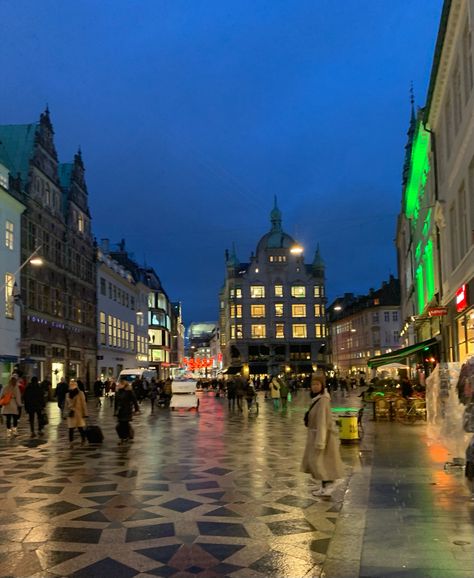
<point>275,217</point>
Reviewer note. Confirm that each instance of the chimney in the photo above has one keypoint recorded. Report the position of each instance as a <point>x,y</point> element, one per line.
<point>105,246</point>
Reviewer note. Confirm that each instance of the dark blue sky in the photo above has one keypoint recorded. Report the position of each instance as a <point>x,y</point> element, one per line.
<point>193,114</point>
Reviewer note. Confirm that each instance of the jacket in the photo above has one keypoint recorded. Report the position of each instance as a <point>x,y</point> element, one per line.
<point>125,403</point>
<point>322,457</point>
<point>33,398</point>
<point>13,407</point>
<point>275,388</point>
<point>76,401</point>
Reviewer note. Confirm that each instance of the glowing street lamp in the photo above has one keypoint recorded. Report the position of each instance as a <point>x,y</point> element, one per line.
<point>337,308</point>
<point>296,249</point>
<point>33,259</point>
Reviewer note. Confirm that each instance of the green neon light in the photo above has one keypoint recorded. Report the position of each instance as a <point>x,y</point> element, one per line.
<point>418,172</point>
<point>420,289</point>
<point>418,252</point>
<point>429,270</point>
<point>427,223</point>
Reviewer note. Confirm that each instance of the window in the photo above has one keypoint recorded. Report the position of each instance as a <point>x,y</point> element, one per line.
<point>375,317</point>
<point>80,222</point>
<point>236,331</point>
<point>386,316</point>
<point>278,309</point>
<point>257,310</point>
<point>257,291</point>
<point>317,310</point>
<point>258,331</point>
<point>298,310</point>
<point>317,291</point>
<point>319,330</point>
<point>278,290</point>
<point>396,337</point>
<point>280,331</point>
<point>9,300</point>
<point>102,329</point>
<point>298,291</point>
<point>394,315</point>
<point>103,288</point>
<point>299,331</point>
<point>9,235</point>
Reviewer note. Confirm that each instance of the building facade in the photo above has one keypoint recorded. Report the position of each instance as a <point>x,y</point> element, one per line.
<point>11,210</point>
<point>58,332</point>
<point>272,309</point>
<point>122,317</point>
<point>363,327</point>
<point>435,236</point>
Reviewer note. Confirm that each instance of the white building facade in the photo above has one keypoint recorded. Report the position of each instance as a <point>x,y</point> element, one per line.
<point>10,261</point>
<point>122,319</point>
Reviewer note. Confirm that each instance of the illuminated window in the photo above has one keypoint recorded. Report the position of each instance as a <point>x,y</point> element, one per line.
<point>278,290</point>
<point>257,291</point>
<point>279,330</point>
<point>232,311</point>
<point>258,331</point>
<point>298,291</point>
<point>317,310</point>
<point>298,310</point>
<point>236,332</point>
<point>319,330</point>
<point>278,309</point>
<point>9,235</point>
<point>238,311</point>
<point>299,330</point>
<point>80,222</point>
<point>9,302</point>
<point>257,310</point>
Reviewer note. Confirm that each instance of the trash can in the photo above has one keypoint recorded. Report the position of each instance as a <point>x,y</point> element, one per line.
<point>348,428</point>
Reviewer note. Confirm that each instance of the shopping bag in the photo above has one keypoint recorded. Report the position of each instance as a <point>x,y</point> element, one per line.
<point>289,396</point>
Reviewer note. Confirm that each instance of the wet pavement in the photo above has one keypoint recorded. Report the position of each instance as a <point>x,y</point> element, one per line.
<point>219,494</point>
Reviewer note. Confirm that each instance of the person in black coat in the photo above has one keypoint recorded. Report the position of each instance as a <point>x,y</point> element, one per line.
<point>33,400</point>
<point>125,404</point>
<point>61,391</point>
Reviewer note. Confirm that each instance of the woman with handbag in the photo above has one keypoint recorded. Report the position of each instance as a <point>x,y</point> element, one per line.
<point>11,405</point>
<point>76,409</point>
<point>322,457</point>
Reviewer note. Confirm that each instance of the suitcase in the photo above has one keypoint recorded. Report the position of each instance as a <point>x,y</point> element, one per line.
<point>124,430</point>
<point>94,434</point>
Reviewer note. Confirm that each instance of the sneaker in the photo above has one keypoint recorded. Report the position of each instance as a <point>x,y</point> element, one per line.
<point>324,492</point>
<point>9,433</point>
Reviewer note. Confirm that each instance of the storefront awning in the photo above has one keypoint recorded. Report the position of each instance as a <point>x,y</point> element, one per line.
<point>8,358</point>
<point>400,354</point>
<point>233,370</point>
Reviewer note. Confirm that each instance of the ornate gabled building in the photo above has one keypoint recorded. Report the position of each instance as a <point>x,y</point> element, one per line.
<point>272,309</point>
<point>58,299</point>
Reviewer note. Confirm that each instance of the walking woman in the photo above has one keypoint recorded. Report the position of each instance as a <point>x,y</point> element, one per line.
<point>11,405</point>
<point>322,457</point>
<point>76,410</point>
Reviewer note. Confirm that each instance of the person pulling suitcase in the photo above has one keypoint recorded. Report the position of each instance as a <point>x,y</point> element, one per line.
<point>125,405</point>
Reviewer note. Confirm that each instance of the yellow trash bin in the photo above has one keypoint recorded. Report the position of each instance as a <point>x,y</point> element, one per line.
<point>348,428</point>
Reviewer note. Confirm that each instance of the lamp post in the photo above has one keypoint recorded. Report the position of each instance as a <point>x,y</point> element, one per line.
<point>33,259</point>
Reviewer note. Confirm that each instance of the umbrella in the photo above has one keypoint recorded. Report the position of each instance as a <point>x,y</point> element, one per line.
<point>393,366</point>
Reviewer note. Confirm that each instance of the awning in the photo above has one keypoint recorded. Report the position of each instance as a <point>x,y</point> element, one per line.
<point>400,354</point>
<point>233,370</point>
<point>8,358</point>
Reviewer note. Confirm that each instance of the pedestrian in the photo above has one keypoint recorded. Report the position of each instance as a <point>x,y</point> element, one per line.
<point>60,394</point>
<point>167,391</point>
<point>153,393</point>
<point>231,392</point>
<point>275,391</point>
<point>470,466</point>
<point>250,395</point>
<point>76,411</point>
<point>265,386</point>
<point>125,404</point>
<point>343,386</point>
<point>98,391</point>
<point>240,389</point>
<point>406,388</point>
<point>46,386</point>
<point>284,391</point>
<point>34,402</point>
<point>322,457</point>
<point>11,405</point>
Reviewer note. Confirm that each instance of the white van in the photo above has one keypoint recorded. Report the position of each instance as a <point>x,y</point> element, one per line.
<point>132,374</point>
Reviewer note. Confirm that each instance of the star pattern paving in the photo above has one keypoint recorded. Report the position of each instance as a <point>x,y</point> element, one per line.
<point>195,495</point>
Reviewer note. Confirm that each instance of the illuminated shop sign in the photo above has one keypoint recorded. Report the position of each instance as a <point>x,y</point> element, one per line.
<point>461,298</point>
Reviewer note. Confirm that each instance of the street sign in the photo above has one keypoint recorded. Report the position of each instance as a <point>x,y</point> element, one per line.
<point>437,311</point>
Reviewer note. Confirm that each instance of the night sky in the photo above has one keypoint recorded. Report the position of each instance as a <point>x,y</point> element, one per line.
<point>192,115</point>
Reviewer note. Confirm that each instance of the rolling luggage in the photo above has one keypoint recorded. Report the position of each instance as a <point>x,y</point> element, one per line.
<point>94,434</point>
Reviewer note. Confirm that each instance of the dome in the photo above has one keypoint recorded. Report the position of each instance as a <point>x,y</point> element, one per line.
<point>275,240</point>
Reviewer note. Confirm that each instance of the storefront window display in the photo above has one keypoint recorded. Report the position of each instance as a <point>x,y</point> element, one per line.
<point>465,332</point>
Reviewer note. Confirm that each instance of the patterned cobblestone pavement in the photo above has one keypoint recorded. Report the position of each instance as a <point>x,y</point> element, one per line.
<point>211,495</point>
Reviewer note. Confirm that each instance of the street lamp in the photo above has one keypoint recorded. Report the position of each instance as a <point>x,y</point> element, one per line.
<point>33,259</point>
<point>337,308</point>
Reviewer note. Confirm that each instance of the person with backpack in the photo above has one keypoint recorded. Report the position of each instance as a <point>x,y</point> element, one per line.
<point>322,457</point>
<point>11,405</point>
<point>125,404</point>
<point>34,402</point>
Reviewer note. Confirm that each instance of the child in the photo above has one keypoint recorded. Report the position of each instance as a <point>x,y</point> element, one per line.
<point>470,466</point>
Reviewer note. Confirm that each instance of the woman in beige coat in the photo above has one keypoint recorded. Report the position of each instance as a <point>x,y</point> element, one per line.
<point>321,457</point>
<point>76,411</point>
